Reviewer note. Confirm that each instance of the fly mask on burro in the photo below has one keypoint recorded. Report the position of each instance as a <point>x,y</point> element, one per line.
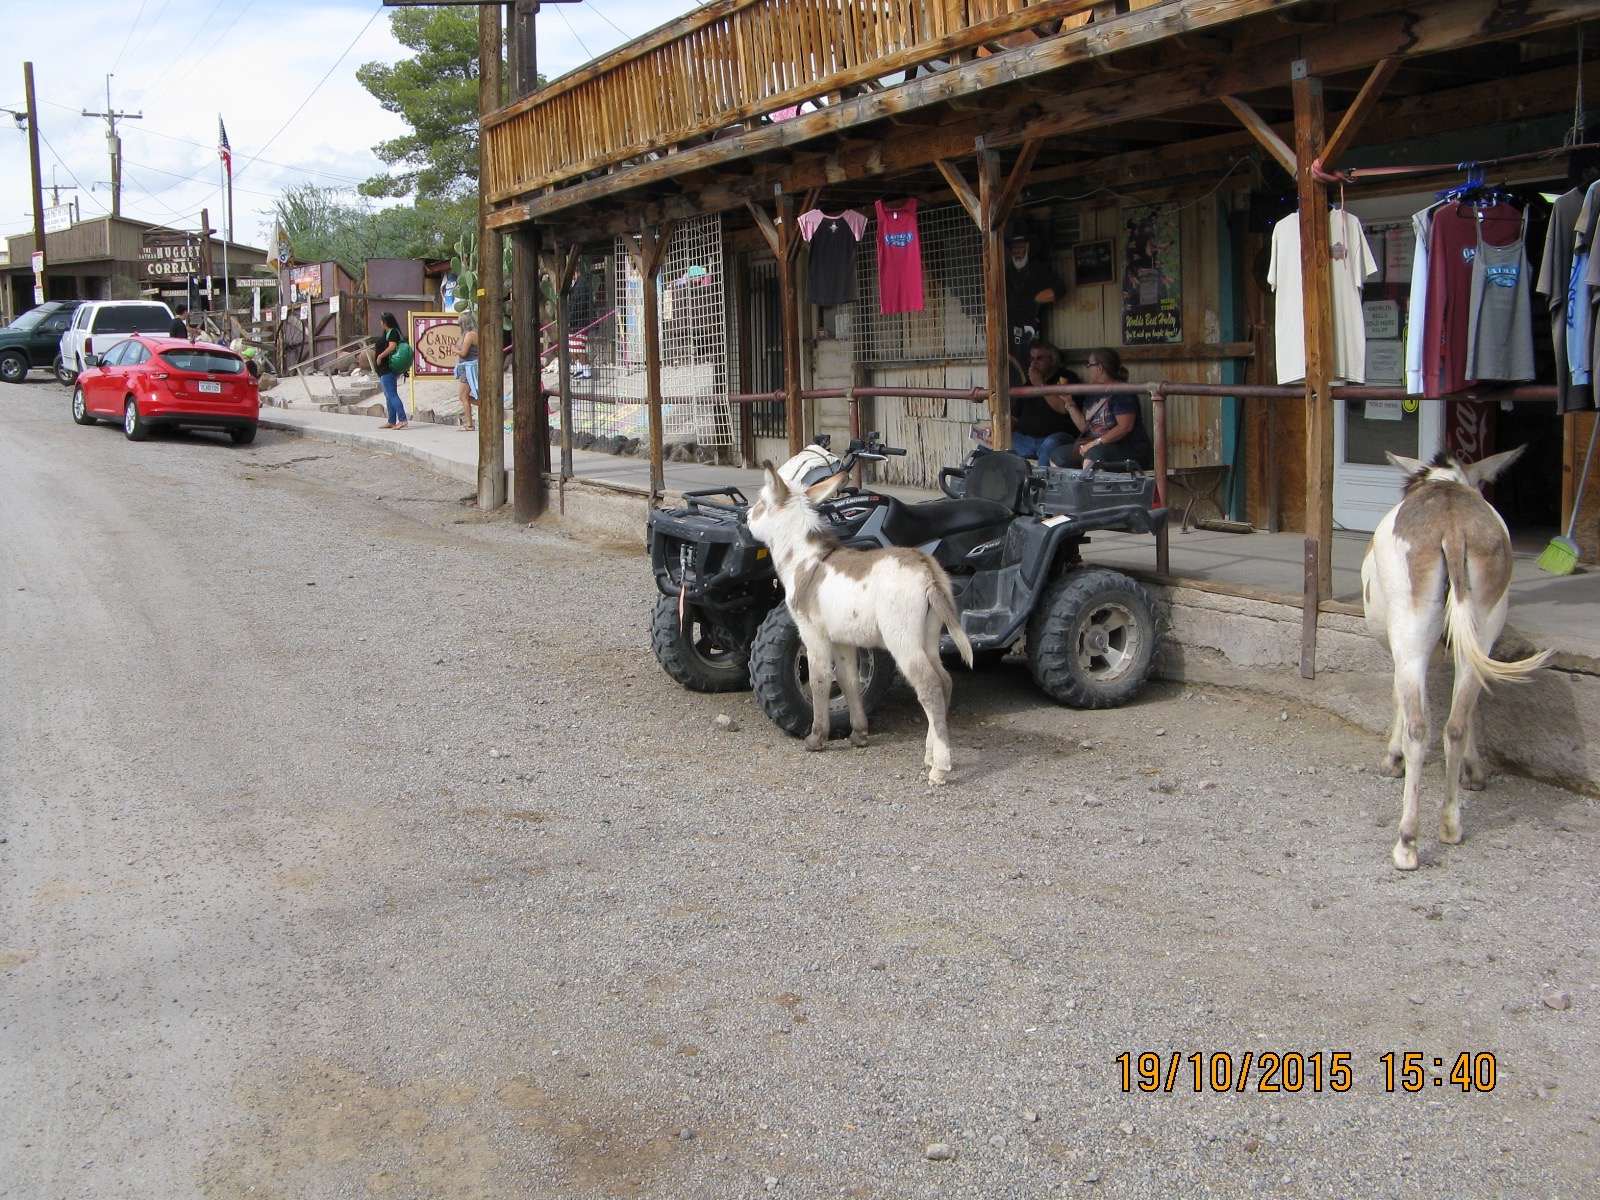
<point>896,599</point>
<point>1440,564</point>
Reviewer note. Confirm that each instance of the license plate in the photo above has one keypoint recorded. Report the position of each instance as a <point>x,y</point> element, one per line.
<point>207,385</point>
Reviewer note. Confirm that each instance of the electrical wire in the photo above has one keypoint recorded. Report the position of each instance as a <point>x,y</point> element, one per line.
<point>87,192</point>
<point>118,61</point>
<point>608,21</point>
<point>203,55</point>
<point>172,60</point>
<point>359,35</point>
<point>573,31</point>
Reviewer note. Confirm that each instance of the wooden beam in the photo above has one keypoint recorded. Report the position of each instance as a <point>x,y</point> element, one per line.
<point>769,231</point>
<point>1316,283</point>
<point>648,256</point>
<point>962,189</point>
<point>562,265</point>
<point>1360,108</point>
<point>530,421</point>
<point>790,307</point>
<point>1262,132</point>
<point>1015,182</point>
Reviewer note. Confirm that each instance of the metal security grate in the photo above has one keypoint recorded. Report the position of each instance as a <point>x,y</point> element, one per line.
<point>694,335</point>
<point>951,324</point>
<point>765,315</point>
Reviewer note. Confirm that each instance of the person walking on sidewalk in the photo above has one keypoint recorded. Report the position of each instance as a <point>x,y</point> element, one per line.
<point>388,380</point>
<point>467,369</point>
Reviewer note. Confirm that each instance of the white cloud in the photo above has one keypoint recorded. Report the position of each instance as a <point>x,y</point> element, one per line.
<point>182,62</point>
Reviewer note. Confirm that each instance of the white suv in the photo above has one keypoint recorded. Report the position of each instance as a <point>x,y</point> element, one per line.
<point>100,324</point>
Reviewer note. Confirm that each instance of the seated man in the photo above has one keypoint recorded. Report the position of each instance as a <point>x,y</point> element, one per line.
<point>1040,424</point>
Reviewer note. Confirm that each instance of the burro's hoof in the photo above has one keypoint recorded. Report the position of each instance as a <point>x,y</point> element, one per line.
<point>1405,857</point>
<point>857,739</point>
<point>813,742</point>
<point>936,777</point>
<point>1392,765</point>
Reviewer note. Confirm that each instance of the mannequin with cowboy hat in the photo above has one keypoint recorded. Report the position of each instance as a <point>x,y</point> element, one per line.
<point>1031,284</point>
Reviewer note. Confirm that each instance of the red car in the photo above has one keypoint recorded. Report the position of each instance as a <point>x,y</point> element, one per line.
<point>147,381</point>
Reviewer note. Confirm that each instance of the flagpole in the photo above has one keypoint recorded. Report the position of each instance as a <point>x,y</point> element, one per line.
<point>226,159</point>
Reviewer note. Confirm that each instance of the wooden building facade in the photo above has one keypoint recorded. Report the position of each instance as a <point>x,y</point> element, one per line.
<point>1091,125</point>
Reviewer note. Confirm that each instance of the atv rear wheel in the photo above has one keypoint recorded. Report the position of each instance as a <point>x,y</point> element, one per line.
<point>1092,639</point>
<point>781,677</point>
<point>693,652</point>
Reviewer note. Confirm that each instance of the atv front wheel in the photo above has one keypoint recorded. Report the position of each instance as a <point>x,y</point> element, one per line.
<point>1092,639</point>
<point>781,677</point>
<point>693,652</point>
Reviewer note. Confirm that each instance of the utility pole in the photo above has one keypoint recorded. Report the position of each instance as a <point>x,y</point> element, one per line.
<point>38,190</point>
<point>114,145</point>
<point>57,188</point>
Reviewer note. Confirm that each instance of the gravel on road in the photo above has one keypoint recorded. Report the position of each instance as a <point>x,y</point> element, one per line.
<point>353,844</point>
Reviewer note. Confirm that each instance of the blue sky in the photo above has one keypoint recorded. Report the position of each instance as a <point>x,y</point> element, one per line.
<point>182,62</point>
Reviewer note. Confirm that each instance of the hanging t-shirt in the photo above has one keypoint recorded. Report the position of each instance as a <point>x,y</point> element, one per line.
<point>1417,298</point>
<point>899,258</point>
<point>1350,262</point>
<point>1556,281</point>
<point>1500,317</point>
<point>831,274</point>
<point>1452,246</point>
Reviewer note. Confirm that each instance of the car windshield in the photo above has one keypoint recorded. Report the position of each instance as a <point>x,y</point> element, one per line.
<point>28,320</point>
<point>206,362</point>
<point>133,318</point>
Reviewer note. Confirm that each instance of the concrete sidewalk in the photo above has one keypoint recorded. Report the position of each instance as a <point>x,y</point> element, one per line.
<point>1547,609</point>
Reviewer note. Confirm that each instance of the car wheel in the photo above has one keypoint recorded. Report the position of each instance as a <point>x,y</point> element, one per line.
<point>80,408</point>
<point>781,678</point>
<point>64,374</point>
<point>13,367</point>
<point>693,652</point>
<point>1092,639</point>
<point>243,435</point>
<point>132,424</point>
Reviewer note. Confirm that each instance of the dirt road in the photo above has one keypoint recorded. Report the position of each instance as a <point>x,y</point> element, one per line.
<point>354,845</point>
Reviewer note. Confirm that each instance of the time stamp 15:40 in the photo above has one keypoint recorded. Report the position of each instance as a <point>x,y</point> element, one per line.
<point>1292,1071</point>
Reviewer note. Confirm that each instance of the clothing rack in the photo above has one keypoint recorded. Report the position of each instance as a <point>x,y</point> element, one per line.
<point>1361,174</point>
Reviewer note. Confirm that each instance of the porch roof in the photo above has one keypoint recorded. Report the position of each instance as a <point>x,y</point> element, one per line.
<point>1142,93</point>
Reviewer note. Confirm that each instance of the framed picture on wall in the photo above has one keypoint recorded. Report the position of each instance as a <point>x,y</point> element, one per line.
<point>1091,263</point>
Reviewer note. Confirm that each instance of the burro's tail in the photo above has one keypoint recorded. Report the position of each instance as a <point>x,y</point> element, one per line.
<point>943,603</point>
<point>1461,626</point>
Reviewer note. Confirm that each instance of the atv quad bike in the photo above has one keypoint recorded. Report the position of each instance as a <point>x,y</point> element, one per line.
<point>1009,535</point>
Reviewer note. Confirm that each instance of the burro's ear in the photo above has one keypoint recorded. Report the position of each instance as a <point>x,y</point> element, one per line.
<point>1485,469</point>
<point>775,484</point>
<point>1409,465</point>
<point>818,492</point>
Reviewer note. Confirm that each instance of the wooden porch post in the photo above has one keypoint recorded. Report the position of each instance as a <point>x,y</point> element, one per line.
<point>1309,132</point>
<point>648,255</point>
<point>561,265</point>
<point>997,328</point>
<point>530,422</point>
<point>788,286</point>
<point>491,309</point>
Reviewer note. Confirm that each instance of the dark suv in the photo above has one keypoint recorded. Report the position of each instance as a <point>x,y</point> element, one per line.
<point>34,339</point>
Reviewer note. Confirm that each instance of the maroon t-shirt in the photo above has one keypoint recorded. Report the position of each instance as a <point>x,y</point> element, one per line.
<point>1452,245</point>
<point>899,258</point>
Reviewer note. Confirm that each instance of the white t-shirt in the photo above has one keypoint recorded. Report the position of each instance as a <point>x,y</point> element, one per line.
<point>1351,263</point>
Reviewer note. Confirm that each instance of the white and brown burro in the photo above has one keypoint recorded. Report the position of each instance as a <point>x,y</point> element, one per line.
<point>1440,564</point>
<point>895,599</point>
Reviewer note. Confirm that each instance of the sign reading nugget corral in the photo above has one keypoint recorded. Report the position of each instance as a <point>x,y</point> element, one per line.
<point>166,254</point>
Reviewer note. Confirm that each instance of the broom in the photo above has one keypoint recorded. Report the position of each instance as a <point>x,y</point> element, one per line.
<point>1561,555</point>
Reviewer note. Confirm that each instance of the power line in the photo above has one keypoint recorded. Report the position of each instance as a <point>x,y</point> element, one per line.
<point>129,38</point>
<point>204,54</point>
<point>607,20</point>
<point>574,32</point>
<point>173,59</point>
<point>89,192</point>
<point>313,91</point>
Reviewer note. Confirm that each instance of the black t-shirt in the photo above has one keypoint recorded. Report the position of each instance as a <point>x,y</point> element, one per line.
<point>179,329</point>
<point>1033,415</point>
<point>378,343</point>
<point>831,275</point>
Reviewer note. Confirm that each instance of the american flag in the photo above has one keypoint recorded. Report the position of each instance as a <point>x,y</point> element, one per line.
<point>224,151</point>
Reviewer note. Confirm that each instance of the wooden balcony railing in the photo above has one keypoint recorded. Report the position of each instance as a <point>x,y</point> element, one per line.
<point>732,61</point>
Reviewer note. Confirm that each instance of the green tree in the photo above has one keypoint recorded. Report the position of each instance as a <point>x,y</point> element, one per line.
<point>330,224</point>
<point>436,93</point>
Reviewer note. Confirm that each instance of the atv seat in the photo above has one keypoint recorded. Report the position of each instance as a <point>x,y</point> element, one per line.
<point>932,520</point>
<point>1001,476</point>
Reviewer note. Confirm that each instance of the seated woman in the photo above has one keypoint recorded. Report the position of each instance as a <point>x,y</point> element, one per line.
<point>1112,426</point>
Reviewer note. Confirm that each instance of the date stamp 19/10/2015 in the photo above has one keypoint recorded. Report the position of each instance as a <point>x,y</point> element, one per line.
<point>1297,1071</point>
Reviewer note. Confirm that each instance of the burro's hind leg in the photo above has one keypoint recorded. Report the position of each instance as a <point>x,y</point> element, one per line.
<point>1459,752</point>
<point>849,667</point>
<point>1411,700</point>
<point>924,676</point>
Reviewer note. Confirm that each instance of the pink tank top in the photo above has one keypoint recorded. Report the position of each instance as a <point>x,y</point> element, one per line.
<point>899,258</point>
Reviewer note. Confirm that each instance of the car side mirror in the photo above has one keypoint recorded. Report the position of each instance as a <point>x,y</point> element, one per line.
<point>91,360</point>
